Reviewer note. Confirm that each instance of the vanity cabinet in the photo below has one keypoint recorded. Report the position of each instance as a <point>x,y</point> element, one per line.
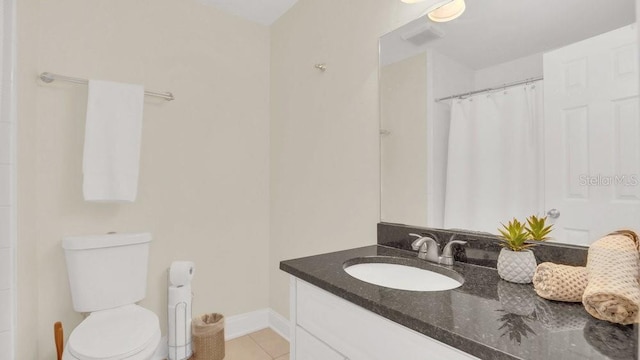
<point>308,347</point>
<point>327,327</point>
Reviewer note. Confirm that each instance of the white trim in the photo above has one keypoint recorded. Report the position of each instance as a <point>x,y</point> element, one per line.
<point>8,114</point>
<point>293,314</point>
<point>431,118</point>
<point>279,324</point>
<point>243,324</point>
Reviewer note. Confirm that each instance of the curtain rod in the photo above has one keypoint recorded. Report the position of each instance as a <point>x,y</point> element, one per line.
<point>467,94</point>
<point>49,78</point>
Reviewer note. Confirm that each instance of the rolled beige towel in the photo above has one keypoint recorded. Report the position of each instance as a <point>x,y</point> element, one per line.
<point>560,282</point>
<point>613,292</point>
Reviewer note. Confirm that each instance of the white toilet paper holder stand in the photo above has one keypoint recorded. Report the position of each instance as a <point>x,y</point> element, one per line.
<point>187,342</point>
<point>179,302</point>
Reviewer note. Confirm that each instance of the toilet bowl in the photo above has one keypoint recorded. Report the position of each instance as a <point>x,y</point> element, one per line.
<point>107,276</point>
<point>129,332</point>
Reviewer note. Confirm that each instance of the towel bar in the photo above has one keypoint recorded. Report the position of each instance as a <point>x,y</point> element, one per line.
<point>49,78</point>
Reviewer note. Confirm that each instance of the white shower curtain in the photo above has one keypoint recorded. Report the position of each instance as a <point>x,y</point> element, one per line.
<point>494,170</point>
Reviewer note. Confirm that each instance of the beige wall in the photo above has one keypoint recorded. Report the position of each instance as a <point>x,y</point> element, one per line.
<point>403,152</point>
<point>203,189</point>
<point>204,183</point>
<point>324,128</point>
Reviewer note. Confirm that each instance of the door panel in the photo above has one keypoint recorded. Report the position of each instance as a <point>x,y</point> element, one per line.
<point>591,126</point>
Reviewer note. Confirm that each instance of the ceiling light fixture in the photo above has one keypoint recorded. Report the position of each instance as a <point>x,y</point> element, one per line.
<point>437,4</point>
<point>448,12</point>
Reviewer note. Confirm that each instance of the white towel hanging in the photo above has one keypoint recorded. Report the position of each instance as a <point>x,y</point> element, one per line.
<point>112,141</point>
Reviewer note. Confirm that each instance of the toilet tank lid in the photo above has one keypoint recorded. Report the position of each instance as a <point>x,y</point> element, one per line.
<point>104,241</point>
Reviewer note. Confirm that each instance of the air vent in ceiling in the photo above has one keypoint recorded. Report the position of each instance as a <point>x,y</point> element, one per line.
<point>423,34</point>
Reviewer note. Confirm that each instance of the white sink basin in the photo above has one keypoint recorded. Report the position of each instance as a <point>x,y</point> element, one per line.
<point>403,277</point>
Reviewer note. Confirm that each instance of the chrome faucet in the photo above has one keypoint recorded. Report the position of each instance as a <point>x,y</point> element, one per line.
<point>428,249</point>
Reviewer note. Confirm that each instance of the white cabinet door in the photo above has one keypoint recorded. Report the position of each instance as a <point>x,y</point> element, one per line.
<point>591,128</point>
<point>359,334</point>
<point>310,348</point>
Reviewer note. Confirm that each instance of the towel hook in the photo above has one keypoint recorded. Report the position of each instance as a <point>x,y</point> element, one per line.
<point>322,67</point>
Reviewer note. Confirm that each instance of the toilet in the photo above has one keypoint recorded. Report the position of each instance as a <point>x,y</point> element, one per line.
<point>108,275</point>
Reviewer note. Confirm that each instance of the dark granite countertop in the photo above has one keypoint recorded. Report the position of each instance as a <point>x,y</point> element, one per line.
<point>486,317</point>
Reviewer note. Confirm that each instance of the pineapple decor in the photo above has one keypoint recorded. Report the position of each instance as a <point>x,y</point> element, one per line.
<point>516,262</point>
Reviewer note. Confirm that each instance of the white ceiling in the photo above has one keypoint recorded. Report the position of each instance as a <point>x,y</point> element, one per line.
<point>264,12</point>
<point>491,32</point>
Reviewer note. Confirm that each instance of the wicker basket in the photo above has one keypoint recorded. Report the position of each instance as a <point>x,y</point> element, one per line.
<point>208,337</point>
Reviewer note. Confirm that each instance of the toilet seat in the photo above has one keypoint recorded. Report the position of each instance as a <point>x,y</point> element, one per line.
<point>128,332</point>
<point>150,353</point>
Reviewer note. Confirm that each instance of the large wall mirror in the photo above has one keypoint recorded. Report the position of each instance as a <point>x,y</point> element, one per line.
<point>513,109</point>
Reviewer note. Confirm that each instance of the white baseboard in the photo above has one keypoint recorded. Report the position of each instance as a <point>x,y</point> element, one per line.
<point>279,324</point>
<point>243,324</point>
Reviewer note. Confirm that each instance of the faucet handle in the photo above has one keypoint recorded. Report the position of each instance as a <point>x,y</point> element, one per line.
<point>447,255</point>
<point>447,248</point>
<point>460,242</point>
<point>416,243</point>
<point>426,246</point>
<point>423,240</point>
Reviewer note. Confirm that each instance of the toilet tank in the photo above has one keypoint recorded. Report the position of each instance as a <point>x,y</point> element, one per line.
<point>107,271</point>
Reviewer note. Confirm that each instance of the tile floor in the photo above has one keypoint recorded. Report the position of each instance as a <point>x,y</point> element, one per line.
<point>265,344</point>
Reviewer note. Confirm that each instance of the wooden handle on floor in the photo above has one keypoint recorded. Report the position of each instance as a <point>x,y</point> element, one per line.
<point>58,335</point>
